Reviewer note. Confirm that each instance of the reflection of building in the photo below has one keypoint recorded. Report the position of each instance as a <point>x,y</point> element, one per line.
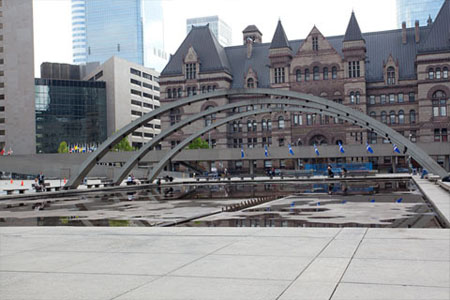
<point>131,91</point>
<point>72,111</point>
<point>399,77</point>
<point>130,29</point>
<point>17,127</point>
<point>218,27</point>
<point>411,10</point>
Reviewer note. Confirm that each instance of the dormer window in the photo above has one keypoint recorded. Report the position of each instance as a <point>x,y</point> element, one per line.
<point>250,83</point>
<point>315,43</point>
<point>390,76</point>
<point>191,71</point>
<point>279,75</point>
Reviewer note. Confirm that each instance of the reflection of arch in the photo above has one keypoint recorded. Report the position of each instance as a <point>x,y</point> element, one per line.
<point>342,111</point>
<point>318,139</point>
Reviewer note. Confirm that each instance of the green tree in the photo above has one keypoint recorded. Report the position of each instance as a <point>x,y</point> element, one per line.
<point>198,143</point>
<point>123,145</point>
<point>63,148</point>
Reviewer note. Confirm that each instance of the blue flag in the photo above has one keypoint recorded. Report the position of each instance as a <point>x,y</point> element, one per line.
<point>266,152</point>
<point>399,200</point>
<point>341,148</point>
<point>316,150</point>
<point>396,149</point>
<point>242,152</point>
<point>290,149</point>
<point>368,148</point>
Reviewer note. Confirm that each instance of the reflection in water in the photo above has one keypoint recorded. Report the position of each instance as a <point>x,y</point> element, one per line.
<point>339,203</point>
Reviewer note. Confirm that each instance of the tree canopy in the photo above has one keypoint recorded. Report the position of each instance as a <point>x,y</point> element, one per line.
<point>63,148</point>
<point>198,143</point>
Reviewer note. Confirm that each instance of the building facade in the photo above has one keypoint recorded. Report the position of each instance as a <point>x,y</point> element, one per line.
<point>70,111</point>
<point>219,28</point>
<point>17,126</point>
<point>410,11</point>
<point>130,29</point>
<point>399,77</point>
<point>131,91</point>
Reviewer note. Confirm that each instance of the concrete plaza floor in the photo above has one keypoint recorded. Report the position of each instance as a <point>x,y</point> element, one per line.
<point>224,263</point>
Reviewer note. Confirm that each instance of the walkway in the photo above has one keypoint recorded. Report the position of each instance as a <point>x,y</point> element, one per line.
<point>224,263</point>
<point>437,195</point>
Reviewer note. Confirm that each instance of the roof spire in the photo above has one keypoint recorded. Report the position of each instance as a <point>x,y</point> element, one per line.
<point>353,33</point>
<point>279,39</point>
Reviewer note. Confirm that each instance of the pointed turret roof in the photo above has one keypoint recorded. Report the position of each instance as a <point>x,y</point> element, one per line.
<point>279,39</point>
<point>353,33</point>
<point>211,54</point>
<point>438,37</point>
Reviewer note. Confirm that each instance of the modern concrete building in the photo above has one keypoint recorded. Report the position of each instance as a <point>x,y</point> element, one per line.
<point>70,111</point>
<point>410,11</point>
<point>218,27</point>
<point>131,91</point>
<point>399,77</point>
<point>17,116</point>
<point>130,29</point>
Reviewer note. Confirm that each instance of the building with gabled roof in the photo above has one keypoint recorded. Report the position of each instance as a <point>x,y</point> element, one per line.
<point>399,77</point>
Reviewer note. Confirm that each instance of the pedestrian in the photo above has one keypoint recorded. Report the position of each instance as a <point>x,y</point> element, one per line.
<point>330,171</point>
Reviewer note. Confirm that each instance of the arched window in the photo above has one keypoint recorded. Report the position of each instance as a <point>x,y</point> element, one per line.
<point>306,74</point>
<point>269,125</point>
<point>373,115</point>
<point>239,126</point>
<point>263,125</point>
<point>298,75</point>
<point>439,102</point>
<point>316,73</point>
<point>391,75</point>
<point>412,116</point>
<point>235,126</point>
<point>250,83</point>
<point>254,126</point>
<point>249,125</point>
<point>352,98</point>
<point>430,73</point>
<point>401,117</point>
<point>438,73</point>
<point>392,117</point>
<point>333,73</point>
<point>325,73</point>
<point>383,117</point>
<point>280,122</point>
<point>209,89</point>
<point>203,89</point>
<point>180,91</point>
<point>211,118</point>
<point>318,140</point>
<point>445,73</point>
<point>175,116</point>
<point>169,93</point>
<point>358,96</point>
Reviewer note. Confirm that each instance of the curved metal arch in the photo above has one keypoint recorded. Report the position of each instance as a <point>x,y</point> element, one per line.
<point>418,154</point>
<point>157,169</point>
<point>137,156</point>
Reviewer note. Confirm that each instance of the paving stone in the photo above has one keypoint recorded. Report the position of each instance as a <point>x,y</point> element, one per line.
<point>401,272</point>
<point>351,291</point>
<point>203,288</point>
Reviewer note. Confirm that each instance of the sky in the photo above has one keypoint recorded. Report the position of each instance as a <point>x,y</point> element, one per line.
<point>52,20</point>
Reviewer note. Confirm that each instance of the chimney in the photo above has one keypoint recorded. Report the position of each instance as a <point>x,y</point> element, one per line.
<point>249,42</point>
<point>416,31</point>
<point>403,32</point>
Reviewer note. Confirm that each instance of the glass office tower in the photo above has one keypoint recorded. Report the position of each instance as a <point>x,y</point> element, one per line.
<point>412,10</point>
<point>71,111</point>
<point>218,27</point>
<point>130,29</point>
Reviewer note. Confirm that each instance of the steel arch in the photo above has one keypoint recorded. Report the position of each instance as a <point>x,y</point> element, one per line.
<point>179,148</point>
<point>418,154</point>
<point>129,165</point>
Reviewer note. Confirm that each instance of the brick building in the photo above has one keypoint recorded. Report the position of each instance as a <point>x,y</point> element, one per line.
<point>399,77</point>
